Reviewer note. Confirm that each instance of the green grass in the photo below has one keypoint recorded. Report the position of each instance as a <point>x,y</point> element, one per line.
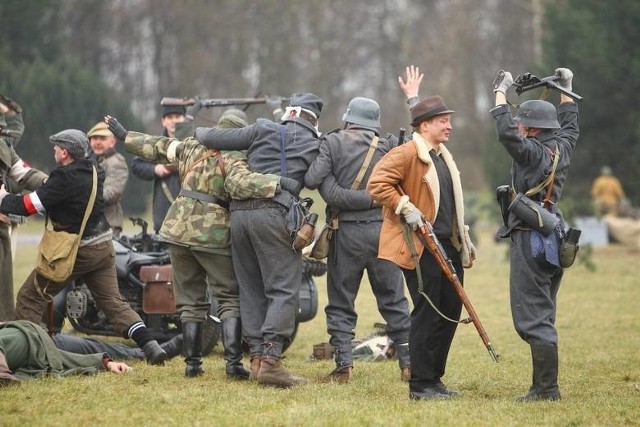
<point>598,323</point>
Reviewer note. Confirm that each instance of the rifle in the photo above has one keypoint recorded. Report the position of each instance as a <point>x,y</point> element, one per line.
<point>431,242</point>
<point>215,102</point>
<point>527,81</point>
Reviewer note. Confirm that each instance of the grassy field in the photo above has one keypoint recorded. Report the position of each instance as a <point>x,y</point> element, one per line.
<point>598,323</point>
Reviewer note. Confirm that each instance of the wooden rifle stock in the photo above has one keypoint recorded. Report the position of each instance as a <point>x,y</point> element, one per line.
<point>430,241</point>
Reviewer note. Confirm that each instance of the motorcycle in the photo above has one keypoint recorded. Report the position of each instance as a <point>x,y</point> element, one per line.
<point>143,251</point>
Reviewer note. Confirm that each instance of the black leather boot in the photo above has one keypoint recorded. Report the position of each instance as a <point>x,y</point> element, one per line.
<point>173,347</point>
<point>232,342</point>
<point>192,335</point>
<point>545,374</point>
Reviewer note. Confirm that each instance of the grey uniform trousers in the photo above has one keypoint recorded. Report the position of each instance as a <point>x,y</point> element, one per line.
<point>269,273</point>
<point>78,345</point>
<point>533,289</point>
<point>353,250</point>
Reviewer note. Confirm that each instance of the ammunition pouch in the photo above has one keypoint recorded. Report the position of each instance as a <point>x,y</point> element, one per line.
<point>533,214</point>
<point>503,197</point>
<point>569,247</point>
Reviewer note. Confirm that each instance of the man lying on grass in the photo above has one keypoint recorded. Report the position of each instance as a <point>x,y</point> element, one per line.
<point>26,352</point>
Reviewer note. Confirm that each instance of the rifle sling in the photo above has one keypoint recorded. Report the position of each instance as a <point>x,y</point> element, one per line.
<point>406,232</point>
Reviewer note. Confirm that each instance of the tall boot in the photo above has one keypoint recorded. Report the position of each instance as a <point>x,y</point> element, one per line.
<point>232,341</point>
<point>404,361</point>
<point>6,376</point>
<point>545,374</point>
<point>271,372</point>
<point>192,336</point>
<point>343,373</point>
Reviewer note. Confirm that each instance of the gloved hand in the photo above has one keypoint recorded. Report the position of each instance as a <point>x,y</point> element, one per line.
<point>412,216</point>
<point>274,103</point>
<point>290,185</point>
<point>566,76</point>
<point>116,128</point>
<point>192,110</point>
<point>502,82</point>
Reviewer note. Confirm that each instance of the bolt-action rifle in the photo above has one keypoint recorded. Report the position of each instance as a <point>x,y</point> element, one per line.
<point>431,242</point>
<point>215,102</point>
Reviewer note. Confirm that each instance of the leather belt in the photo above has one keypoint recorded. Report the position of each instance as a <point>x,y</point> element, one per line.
<point>207,198</point>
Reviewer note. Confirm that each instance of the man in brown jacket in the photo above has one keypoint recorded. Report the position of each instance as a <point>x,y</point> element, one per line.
<point>415,182</point>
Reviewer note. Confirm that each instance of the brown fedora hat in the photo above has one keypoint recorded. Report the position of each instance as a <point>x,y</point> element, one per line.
<point>427,108</point>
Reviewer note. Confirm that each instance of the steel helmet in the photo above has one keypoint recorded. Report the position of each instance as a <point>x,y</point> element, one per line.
<point>537,114</point>
<point>364,112</point>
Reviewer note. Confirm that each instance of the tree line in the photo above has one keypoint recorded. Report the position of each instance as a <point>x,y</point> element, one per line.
<point>70,61</point>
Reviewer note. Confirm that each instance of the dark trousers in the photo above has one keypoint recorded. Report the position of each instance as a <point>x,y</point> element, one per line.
<point>533,289</point>
<point>78,345</point>
<point>6,274</point>
<point>269,273</point>
<point>431,335</point>
<point>354,250</point>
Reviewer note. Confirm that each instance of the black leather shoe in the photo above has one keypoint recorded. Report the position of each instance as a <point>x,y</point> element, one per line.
<point>441,388</point>
<point>154,353</point>
<point>173,347</point>
<point>430,393</point>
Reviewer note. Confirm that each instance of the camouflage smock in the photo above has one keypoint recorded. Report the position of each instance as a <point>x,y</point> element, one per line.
<point>190,221</point>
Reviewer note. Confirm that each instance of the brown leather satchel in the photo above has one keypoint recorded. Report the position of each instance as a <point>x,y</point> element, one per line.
<point>158,296</point>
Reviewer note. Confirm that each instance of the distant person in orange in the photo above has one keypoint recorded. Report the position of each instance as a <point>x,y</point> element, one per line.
<point>607,193</point>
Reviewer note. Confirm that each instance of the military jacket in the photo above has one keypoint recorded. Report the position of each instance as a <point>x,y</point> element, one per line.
<point>533,157</point>
<point>342,154</point>
<point>116,176</point>
<point>191,221</point>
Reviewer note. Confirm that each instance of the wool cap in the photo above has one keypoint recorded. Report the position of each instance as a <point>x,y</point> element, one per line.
<point>73,140</point>
<point>427,108</point>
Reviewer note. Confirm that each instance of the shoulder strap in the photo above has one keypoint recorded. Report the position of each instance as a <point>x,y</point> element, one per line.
<point>365,164</point>
<point>283,157</point>
<point>206,155</point>
<point>92,199</point>
<point>548,181</point>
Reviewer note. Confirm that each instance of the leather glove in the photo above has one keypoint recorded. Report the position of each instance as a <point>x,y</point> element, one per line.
<point>116,128</point>
<point>566,76</point>
<point>502,82</point>
<point>274,103</point>
<point>290,185</point>
<point>412,216</point>
<point>192,110</point>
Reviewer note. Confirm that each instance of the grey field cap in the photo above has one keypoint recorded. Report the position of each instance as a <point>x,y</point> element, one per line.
<point>73,140</point>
